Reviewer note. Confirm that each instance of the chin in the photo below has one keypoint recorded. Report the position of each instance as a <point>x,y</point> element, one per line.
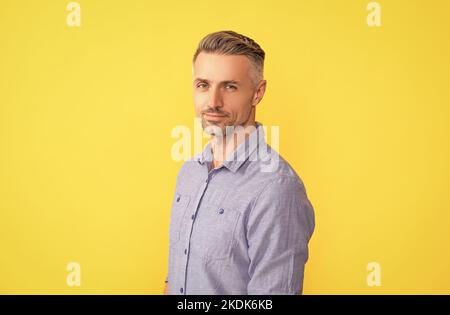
<point>213,129</point>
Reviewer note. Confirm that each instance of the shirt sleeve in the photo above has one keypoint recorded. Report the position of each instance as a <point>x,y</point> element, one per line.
<point>279,227</point>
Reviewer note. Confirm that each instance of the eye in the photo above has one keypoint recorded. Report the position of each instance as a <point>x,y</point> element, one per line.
<point>231,87</point>
<point>202,85</point>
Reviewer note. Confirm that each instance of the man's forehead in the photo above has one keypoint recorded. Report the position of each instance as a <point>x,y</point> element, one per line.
<point>218,68</point>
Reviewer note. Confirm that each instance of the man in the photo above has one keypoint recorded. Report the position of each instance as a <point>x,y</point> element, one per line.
<point>240,224</point>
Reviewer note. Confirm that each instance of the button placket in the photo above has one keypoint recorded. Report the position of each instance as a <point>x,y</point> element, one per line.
<point>193,216</point>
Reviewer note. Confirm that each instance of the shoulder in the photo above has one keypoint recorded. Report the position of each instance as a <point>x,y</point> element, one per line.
<point>282,192</point>
<point>274,174</point>
<point>188,169</point>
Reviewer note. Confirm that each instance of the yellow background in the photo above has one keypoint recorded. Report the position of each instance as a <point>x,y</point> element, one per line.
<point>86,115</point>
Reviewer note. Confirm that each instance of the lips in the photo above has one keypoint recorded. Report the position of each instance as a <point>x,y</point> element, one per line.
<point>213,117</point>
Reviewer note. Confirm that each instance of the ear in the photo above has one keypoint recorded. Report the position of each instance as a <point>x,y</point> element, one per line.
<point>259,92</point>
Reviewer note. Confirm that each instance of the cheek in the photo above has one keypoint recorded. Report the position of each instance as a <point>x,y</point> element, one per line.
<point>239,105</point>
<point>198,103</point>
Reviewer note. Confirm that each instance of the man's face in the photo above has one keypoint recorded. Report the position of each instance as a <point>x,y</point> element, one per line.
<point>223,90</point>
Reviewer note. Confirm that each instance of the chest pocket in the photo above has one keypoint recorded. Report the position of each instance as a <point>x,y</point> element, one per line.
<point>177,214</point>
<point>214,232</point>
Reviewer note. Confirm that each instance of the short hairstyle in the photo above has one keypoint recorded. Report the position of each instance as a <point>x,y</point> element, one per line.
<point>232,43</point>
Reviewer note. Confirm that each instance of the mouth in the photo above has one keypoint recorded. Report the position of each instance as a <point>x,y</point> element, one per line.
<point>213,117</point>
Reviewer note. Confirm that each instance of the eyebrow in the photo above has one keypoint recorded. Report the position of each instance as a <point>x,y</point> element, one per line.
<point>223,82</point>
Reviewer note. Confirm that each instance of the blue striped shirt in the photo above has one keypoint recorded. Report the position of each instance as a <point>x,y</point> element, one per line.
<point>240,228</point>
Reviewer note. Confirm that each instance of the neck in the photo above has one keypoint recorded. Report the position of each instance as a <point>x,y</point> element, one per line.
<point>223,146</point>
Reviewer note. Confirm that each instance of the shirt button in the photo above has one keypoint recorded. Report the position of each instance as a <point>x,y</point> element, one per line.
<point>193,217</point>
<point>181,290</point>
<point>178,199</point>
<point>185,251</point>
<point>221,211</point>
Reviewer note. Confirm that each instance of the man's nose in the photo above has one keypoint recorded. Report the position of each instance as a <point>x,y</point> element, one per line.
<point>215,99</point>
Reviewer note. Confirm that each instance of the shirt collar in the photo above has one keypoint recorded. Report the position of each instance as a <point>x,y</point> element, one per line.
<point>241,154</point>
